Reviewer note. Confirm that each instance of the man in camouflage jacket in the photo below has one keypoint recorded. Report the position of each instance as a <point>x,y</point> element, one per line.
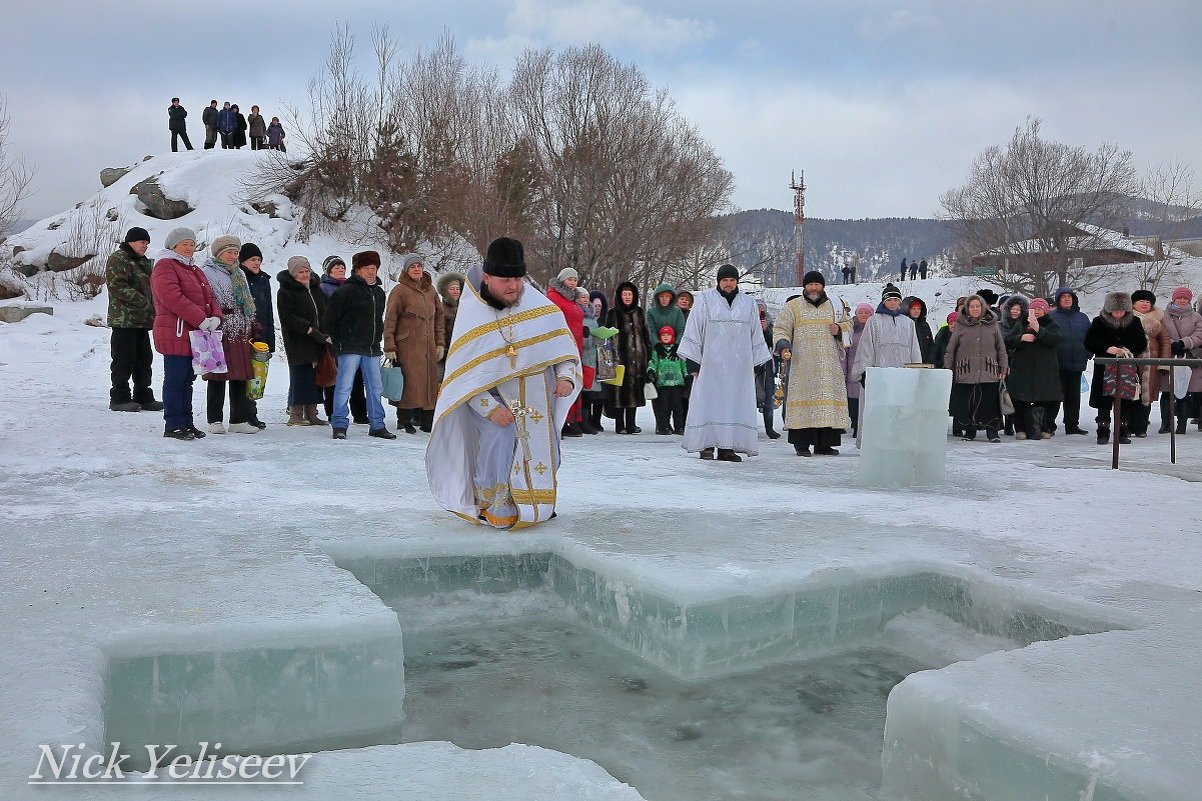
<point>131,316</point>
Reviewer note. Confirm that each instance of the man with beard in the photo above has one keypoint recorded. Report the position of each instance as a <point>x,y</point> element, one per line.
<point>809,334</point>
<point>723,346</point>
<point>512,373</point>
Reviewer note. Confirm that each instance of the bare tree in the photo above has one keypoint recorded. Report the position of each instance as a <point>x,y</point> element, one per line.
<point>15,176</point>
<point>1173,199</point>
<point>1024,204</point>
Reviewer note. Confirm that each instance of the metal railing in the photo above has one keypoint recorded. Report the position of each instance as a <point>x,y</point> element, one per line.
<point>1118,402</point>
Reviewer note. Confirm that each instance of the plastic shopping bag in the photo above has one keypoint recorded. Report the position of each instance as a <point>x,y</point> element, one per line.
<point>392,381</point>
<point>207,354</point>
<point>260,359</point>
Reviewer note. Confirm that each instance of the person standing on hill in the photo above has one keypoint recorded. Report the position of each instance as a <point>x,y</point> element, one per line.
<point>238,138</point>
<point>209,118</point>
<point>176,115</point>
<point>904,267</point>
<point>275,135</point>
<point>913,270</point>
<point>256,128</point>
<point>922,269</point>
<point>131,316</point>
<point>227,123</point>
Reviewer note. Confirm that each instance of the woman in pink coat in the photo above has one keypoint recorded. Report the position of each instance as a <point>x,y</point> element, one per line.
<point>183,303</point>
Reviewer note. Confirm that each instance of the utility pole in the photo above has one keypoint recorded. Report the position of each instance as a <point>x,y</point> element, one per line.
<point>798,185</point>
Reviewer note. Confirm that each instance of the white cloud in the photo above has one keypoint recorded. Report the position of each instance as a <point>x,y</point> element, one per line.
<point>613,23</point>
<point>902,21</point>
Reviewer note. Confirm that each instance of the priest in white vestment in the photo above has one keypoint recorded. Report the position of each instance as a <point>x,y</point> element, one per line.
<point>512,374</point>
<point>723,345</point>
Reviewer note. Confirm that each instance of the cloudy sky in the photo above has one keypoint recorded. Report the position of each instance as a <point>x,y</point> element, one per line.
<point>883,104</point>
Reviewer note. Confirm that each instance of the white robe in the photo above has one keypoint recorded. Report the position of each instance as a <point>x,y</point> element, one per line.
<point>506,472</point>
<point>727,341</point>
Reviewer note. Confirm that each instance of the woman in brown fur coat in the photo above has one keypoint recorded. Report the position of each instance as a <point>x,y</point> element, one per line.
<point>414,338</point>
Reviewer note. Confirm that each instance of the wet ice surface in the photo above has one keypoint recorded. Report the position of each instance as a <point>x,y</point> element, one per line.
<point>808,730</point>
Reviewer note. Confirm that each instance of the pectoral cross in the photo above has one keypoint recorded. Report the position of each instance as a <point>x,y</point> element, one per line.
<point>512,353</point>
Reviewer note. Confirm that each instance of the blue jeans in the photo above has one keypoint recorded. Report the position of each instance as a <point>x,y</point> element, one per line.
<point>178,376</point>
<point>348,363</point>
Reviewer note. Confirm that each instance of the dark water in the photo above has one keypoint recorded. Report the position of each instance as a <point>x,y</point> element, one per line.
<point>809,730</point>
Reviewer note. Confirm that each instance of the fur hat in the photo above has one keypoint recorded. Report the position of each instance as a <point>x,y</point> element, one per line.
<point>670,331</point>
<point>506,258</point>
<point>223,243</point>
<point>1116,301</point>
<point>411,260</point>
<point>988,295</point>
<point>813,277</point>
<point>249,250</point>
<point>330,263</point>
<point>890,291</point>
<point>728,271</point>
<point>136,234</point>
<point>296,264</point>
<point>178,235</point>
<point>1041,303</point>
<point>566,273</point>
<point>1183,291</point>
<point>365,258</point>
<point>1143,294</point>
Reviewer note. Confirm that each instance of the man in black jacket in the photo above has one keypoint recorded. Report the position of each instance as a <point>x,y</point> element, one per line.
<point>209,118</point>
<point>175,123</point>
<point>354,319</point>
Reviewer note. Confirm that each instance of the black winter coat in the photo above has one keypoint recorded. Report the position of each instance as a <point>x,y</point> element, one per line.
<point>209,117</point>
<point>354,317</point>
<point>633,349</point>
<point>300,308</point>
<point>176,115</point>
<point>260,290</point>
<point>1128,333</point>
<point>1034,366</point>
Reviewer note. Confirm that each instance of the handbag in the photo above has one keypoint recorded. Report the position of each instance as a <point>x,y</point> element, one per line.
<point>607,360</point>
<point>327,368</point>
<point>392,381</point>
<point>1004,400</point>
<point>1121,380</point>
<point>649,391</point>
<point>207,353</point>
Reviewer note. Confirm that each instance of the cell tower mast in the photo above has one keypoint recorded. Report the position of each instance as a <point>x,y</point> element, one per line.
<point>798,185</point>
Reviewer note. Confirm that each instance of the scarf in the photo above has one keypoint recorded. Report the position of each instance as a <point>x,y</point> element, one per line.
<point>242,296</point>
<point>881,309</point>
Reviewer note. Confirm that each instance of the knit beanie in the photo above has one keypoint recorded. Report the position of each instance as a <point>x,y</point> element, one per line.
<point>865,306</point>
<point>137,234</point>
<point>566,273</point>
<point>670,331</point>
<point>728,271</point>
<point>1143,294</point>
<point>178,235</point>
<point>506,258</point>
<point>249,250</point>
<point>411,260</point>
<point>952,317</point>
<point>330,263</point>
<point>1042,304</point>
<point>890,291</point>
<point>365,258</point>
<point>296,264</point>
<point>1183,292</point>
<point>813,277</point>
<point>224,243</point>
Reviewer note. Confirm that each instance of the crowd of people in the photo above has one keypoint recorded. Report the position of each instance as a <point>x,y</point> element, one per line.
<point>228,124</point>
<point>1030,353</point>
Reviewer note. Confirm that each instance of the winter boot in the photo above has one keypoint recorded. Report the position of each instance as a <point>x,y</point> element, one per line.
<point>1103,432</point>
<point>426,420</point>
<point>598,410</point>
<point>1035,418</point>
<point>586,426</point>
<point>768,429</point>
<point>728,455</point>
<point>1124,435</point>
<point>707,453</point>
<point>631,428</point>
<point>1182,422</point>
<point>296,416</point>
<point>404,421</point>
<point>569,430</point>
<point>311,417</point>
<point>127,406</point>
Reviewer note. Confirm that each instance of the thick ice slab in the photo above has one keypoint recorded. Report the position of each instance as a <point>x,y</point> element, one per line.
<point>904,441</point>
<point>1105,717</point>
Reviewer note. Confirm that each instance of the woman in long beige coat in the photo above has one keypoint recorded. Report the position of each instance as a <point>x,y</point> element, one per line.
<point>414,338</point>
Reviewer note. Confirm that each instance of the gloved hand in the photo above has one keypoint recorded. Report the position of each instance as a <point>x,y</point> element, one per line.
<point>1178,347</point>
<point>390,355</point>
<point>650,375</point>
<point>210,324</point>
<point>320,337</point>
<point>439,352</point>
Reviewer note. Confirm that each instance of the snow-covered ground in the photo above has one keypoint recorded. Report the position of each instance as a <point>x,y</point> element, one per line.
<point>120,543</point>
